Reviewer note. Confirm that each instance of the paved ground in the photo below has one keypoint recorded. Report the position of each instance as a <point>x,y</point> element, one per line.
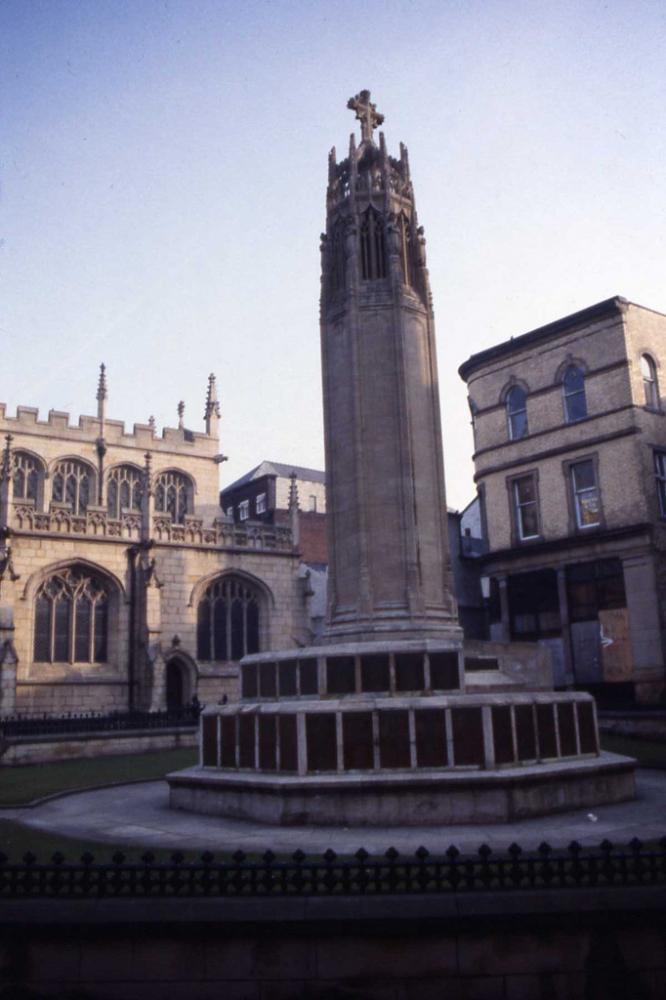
<point>140,814</point>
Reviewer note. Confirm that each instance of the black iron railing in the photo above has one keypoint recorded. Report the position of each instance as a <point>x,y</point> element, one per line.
<point>88,722</point>
<point>334,875</point>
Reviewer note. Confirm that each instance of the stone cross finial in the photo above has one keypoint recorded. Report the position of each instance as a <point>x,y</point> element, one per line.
<point>366,113</point>
<point>181,414</point>
<point>151,423</point>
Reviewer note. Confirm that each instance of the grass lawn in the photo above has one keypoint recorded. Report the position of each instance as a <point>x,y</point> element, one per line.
<point>20,785</point>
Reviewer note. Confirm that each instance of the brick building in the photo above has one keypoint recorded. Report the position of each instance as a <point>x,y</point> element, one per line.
<point>122,583</point>
<point>570,464</point>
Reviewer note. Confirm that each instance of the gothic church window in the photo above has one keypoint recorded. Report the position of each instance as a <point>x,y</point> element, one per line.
<point>72,618</point>
<point>373,246</point>
<point>73,484</point>
<point>172,490</point>
<point>28,472</point>
<point>228,621</point>
<point>124,490</point>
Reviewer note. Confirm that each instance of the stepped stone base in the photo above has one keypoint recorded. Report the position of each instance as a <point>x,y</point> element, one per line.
<point>403,798</point>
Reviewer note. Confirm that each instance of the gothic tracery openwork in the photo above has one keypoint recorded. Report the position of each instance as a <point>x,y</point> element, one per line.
<point>27,475</point>
<point>373,246</point>
<point>124,490</point>
<point>72,618</point>
<point>73,484</point>
<point>228,620</point>
<point>172,495</point>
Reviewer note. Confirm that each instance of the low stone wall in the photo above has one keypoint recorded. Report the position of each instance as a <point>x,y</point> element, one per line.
<point>47,749</point>
<point>574,944</point>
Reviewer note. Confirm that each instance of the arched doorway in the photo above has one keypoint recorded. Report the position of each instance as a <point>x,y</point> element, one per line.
<point>175,685</point>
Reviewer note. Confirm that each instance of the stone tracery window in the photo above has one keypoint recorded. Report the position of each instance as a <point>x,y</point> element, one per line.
<point>72,618</point>
<point>172,495</point>
<point>373,246</point>
<point>124,490</point>
<point>73,484</point>
<point>28,472</point>
<point>228,620</point>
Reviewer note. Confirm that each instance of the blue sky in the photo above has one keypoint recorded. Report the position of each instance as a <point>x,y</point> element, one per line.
<point>163,183</point>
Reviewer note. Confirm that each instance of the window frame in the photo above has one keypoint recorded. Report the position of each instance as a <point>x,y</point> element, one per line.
<point>512,413</point>
<point>244,510</point>
<point>515,508</point>
<point>260,503</point>
<point>650,382</point>
<point>74,582</point>
<point>576,525</point>
<point>567,395</point>
<point>213,630</point>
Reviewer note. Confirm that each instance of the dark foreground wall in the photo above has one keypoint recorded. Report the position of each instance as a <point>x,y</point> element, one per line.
<point>587,944</point>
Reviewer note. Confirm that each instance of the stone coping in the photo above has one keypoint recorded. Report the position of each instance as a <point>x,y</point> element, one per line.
<point>367,701</point>
<point>359,648</point>
<point>471,777</point>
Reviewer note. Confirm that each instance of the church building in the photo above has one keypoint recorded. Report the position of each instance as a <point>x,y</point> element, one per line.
<point>123,585</point>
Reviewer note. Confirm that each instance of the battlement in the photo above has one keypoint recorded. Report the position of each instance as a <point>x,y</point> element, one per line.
<point>90,429</point>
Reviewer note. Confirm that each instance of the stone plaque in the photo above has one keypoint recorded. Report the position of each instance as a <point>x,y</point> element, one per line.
<point>502,734</point>
<point>357,740</point>
<point>267,742</point>
<point>444,671</point>
<point>228,741</point>
<point>246,740</point>
<point>320,740</point>
<point>340,675</point>
<point>546,729</point>
<point>565,717</point>
<point>409,673</point>
<point>394,739</point>
<point>267,680</point>
<point>249,688</point>
<point>375,673</point>
<point>288,743</point>
<point>308,672</point>
<point>525,735</point>
<point>287,678</point>
<point>209,740</point>
<point>430,737</point>
<point>586,728</point>
<point>467,736</point>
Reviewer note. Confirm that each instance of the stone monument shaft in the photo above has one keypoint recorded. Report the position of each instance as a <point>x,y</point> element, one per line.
<point>389,564</point>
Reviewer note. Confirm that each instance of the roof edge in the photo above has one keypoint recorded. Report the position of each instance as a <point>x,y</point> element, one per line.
<point>616,304</point>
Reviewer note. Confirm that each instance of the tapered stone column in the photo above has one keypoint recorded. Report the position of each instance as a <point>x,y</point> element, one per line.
<point>389,571</point>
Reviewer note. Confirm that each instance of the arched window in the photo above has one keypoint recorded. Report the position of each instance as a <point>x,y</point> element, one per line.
<point>172,491</point>
<point>72,618</point>
<point>650,386</point>
<point>28,473</point>
<point>516,412</point>
<point>373,246</point>
<point>124,490</point>
<point>573,385</point>
<point>73,484</point>
<point>228,620</point>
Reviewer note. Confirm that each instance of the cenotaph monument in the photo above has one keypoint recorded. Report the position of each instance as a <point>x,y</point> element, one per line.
<point>388,722</point>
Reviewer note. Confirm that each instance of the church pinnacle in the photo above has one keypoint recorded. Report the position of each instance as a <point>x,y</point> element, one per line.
<point>366,113</point>
<point>101,392</point>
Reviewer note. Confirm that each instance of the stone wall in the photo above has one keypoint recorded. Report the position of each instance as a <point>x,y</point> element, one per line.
<point>577,945</point>
<point>30,750</point>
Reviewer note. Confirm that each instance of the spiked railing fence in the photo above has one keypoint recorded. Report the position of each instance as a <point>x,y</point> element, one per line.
<point>335,875</point>
<point>95,722</point>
